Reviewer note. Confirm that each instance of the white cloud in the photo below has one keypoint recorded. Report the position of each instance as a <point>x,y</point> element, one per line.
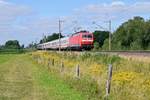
<point>39,26</point>
<point>117,11</point>
<point>116,8</point>
<point>118,3</point>
<point>9,13</point>
<point>3,2</point>
<point>10,19</point>
<point>140,7</point>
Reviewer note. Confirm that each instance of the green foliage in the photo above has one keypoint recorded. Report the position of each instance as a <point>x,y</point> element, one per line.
<point>100,37</point>
<point>135,45</point>
<point>132,35</point>
<point>106,45</point>
<point>96,46</point>
<point>12,44</point>
<point>12,47</point>
<point>32,46</point>
<point>52,37</point>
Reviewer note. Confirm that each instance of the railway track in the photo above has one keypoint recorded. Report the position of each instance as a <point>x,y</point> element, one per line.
<point>128,53</point>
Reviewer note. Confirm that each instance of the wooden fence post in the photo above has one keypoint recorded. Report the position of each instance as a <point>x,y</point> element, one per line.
<point>48,64</point>
<point>78,71</point>
<point>53,62</point>
<point>108,83</point>
<point>62,67</point>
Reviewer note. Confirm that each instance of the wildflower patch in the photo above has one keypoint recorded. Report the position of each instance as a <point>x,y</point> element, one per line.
<point>125,77</point>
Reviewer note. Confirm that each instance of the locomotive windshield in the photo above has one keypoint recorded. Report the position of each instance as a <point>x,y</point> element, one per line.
<point>90,36</point>
<point>87,36</point>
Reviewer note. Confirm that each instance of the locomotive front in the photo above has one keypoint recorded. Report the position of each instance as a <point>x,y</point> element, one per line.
<point>87,40</point>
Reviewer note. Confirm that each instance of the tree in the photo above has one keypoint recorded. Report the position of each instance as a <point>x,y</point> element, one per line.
<point>100,37</point>
<point>52,37</point>
<point>132,35</point>
<point>32,46</point>
<point>22,46</point>
<point>12,44</point>
<point>2,46</point>
<point>106,45</point>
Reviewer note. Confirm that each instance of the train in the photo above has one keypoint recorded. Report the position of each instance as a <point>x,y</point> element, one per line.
<point>78,41</point>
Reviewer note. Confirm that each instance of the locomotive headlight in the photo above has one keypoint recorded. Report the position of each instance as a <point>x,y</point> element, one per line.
<point>87,40</point>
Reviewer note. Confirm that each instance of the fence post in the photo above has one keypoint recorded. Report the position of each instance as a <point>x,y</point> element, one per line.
<point>108,83</point>
<point>78,71</point>
<point>62,67</point>
<point>53,62</point>
<point>48,63</point>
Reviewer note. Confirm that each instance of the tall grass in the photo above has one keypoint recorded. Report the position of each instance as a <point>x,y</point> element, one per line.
<point>130,81</point>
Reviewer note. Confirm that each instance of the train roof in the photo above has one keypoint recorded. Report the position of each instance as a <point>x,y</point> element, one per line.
<point>80,32</point>
<point>55,40</point>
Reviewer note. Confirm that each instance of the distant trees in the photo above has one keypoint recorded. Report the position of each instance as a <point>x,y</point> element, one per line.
<point>99,38</point>
<point>1,46</point>
<point>32,46</point>
<point>11,47</point>
<point>12,44</point>
<point>131,35</point>
<point>52,37</point>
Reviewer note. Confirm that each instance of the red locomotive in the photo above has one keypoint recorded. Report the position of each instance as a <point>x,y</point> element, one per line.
<point>79,41</point>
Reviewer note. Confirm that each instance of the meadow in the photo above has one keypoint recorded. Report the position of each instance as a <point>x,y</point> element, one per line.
<point>23,79</point>
<point>130,80</point>
<point>45,75</point>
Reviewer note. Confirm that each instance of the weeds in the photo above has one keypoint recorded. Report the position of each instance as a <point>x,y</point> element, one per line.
<point>130,78</point>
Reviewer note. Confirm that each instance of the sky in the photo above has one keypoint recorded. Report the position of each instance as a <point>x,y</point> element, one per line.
<point>28,20</point>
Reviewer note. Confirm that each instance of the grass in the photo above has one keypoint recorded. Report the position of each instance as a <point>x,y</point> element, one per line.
<point>4,58</point>
<point>130,80</point>
<point>23,79</point>
<point>12,51</point>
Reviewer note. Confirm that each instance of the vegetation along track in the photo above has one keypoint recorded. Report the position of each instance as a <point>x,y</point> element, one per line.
<point>130,79</point>
<point>120,53</point>
<point>128,53</point>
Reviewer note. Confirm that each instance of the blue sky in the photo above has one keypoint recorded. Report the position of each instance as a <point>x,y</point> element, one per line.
<point>27,20</point>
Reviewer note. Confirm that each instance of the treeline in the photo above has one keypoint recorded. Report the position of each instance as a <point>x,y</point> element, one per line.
<point>131,35</point>
<point>12,46</point>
